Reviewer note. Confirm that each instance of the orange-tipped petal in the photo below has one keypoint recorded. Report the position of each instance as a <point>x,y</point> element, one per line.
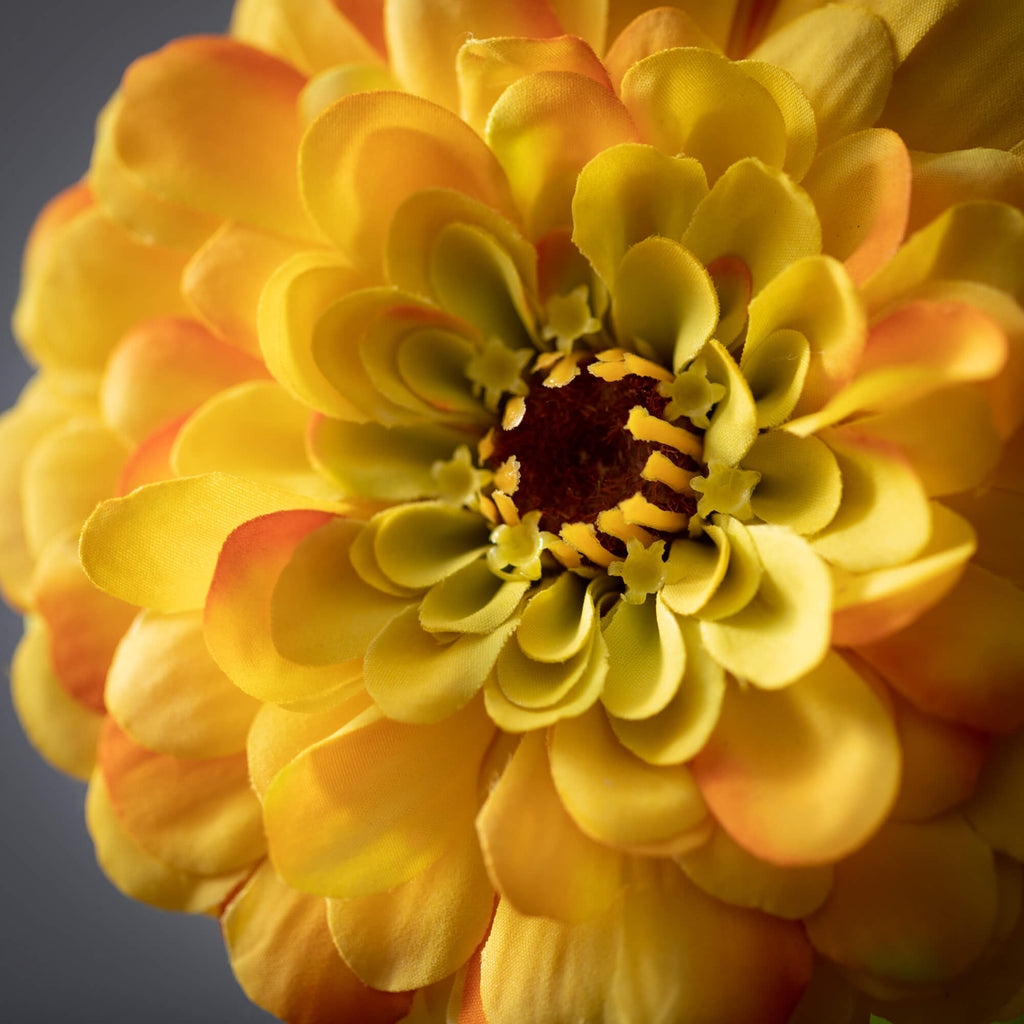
<point>163,369</point>
<point>198,815</point>
<point>283,957</point>
<point>213,125</point>
<point>803,775</point>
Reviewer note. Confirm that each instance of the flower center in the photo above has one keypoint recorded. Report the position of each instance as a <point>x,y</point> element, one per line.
<point>590,449</point>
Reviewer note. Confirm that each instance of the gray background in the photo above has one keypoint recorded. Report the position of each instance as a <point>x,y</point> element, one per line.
<point>72,949</point>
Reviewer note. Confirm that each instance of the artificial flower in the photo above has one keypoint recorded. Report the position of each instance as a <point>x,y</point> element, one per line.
<point>517,513</point>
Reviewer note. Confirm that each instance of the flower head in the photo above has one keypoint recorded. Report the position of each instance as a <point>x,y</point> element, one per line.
<point>563,467</point>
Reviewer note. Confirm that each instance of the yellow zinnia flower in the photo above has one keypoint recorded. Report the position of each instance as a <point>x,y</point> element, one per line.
<point>539,483</point>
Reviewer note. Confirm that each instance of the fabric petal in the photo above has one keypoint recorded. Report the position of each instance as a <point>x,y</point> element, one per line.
<point>166,692</point>
<point>861,187</point>
<point>843,58</point>
<point>962,659</point>
<point>536,855</point>
<point>163,369</point>
<point>421,931</point>
<point>203,154</point>
<point>63,730</point>
<point>197,815</point>
<point>377,803</point>
<point>128,545</point>
<point>283,957</point>
<point>803,775</point>
<point>542,148</point>
<point>139,874</point>
<point>916,904</point>
<point>241,597</point>
<point>388,145</point>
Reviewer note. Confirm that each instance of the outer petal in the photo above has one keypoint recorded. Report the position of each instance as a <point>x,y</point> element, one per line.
<point>804,775</point>
<point>239,618</point>
<point>100,280</point>
<point>163,369</point>
<point>542,147</point>
<point>166,692</point>
<point>138,873</point>
<point>205,154</point>
<point>694,102</point>
<point>536,855</point>
<point>421,931</point>
<point>861,187</point>
<point>197,815</point>
<point>377,803</point>
<point>64,731</point>
<point>962,659</point>
<point>955,59</point>
<point>423,39</point>
<point>312,36</point>
<point>366,154</point>
<point>843,58</point>
<point>284,959</point>
<point>916,904</point>
<point>158,546</point>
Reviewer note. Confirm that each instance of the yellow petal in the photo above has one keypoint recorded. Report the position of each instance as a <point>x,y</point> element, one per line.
<point>861,187</point>
<point>627,193</point>
<point>421,931</point>
<point>158,546</point>
<point>71,469</point>
<point>101,281</point>
<point>884,517</point>
<point>147,215</point>
<point>536,855</point>
<point>617,798</point>
<point>955,59</point>
<point>64,731</point>
<point>201,153</point>
<point>664,302</point>
<point>650,32</point>
<point>254,430</point>
<point>163,369</point>
<point>871,605</point>
<point>646,659</point>
<point>311,36</point>
<point>166,692</point>
<point>783,631</point>
<point>697,103</point>
<point>377,803</point>
<point>487,67</point>
<point>472,600</point>
<point>800,484</point>
<point>755,213</point>
<point>283,957</point>
<point>388,145</point>
<point>804,775</point>
<point>223,280</point>
<point>291,303</point>
<point>84,624</point>
<point>917,904</point>
<point>843,58</point>
<point>423,40</point>
<point>725,870</point>
<point>961,659</point>
<point>542,148</point>
<point>250,606</point>
<point>816,298</point>
<point>139,874</point>
<point>557,621</point>
<point>683,726</point>
<point>198,815</point>
<point>415,676</point>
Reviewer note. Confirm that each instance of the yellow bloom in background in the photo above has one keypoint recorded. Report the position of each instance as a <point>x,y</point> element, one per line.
<point>518,512</point>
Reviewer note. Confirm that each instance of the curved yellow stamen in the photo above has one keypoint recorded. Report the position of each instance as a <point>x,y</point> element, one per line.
<point>583,538</point>
<point>612,522</point>
<point>645,427</point>
<point>640,511</point>
<point>661,469</point>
